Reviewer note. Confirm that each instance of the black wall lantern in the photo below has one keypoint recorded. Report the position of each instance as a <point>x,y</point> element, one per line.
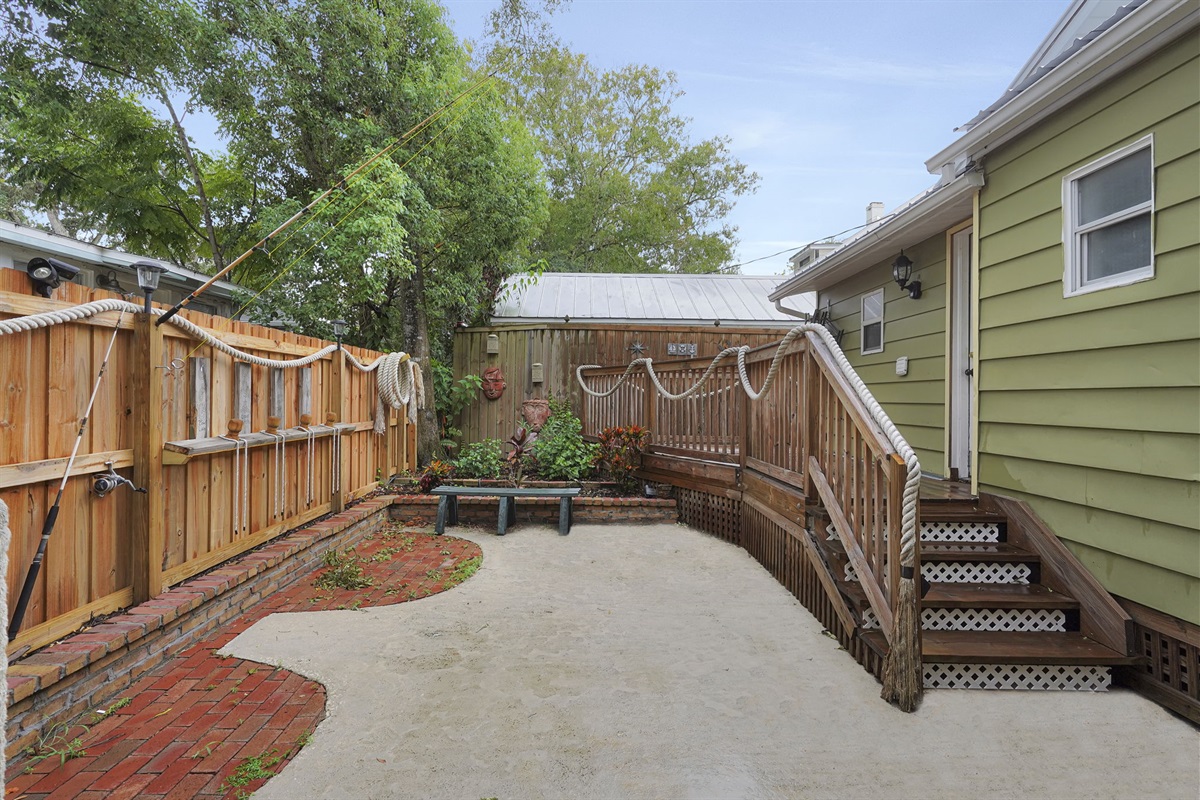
<point>902,271</point>
<point>148,274</point>
<point>48,273</point>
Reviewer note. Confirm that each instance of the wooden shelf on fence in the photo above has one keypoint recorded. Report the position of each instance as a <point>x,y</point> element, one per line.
<point>175,453</point>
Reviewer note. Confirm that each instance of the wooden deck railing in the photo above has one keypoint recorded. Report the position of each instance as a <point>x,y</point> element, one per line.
<point>811,435</point>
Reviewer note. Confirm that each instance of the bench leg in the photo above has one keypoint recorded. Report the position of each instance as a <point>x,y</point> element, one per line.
<point>505,516</point>
<point>443,509</point>
<point>454,509</point>
<point>564,516</point>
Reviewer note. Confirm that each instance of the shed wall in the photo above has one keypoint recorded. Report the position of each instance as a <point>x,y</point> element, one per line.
<point>1090,405</point>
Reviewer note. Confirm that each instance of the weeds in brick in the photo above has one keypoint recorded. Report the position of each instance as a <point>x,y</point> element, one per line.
<point>464,570</point>
<point>100,713</point>
<point>205,751</point>
<point>434,575</point>
<point>345,571</point>
<point>249,770</point>
<point>57,742</point>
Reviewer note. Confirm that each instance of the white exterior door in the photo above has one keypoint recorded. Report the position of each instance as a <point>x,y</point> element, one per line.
<point>962,353</point>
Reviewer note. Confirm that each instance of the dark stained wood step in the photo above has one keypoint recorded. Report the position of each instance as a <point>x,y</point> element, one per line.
<point>991,552</point>
<point>976,647</point>
<point>940,513</point>
<point>995,595</point>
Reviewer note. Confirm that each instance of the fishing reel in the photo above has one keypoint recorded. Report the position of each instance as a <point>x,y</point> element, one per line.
<point>105,482</point>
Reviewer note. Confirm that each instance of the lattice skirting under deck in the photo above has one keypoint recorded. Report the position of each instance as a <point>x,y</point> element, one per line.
<point>984,619</point>
<point>1031,677</point>
<point>960,531</point>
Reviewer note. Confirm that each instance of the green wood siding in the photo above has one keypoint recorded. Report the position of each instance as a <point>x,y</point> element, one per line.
<point>1089,406</point>
<point>912,328</point>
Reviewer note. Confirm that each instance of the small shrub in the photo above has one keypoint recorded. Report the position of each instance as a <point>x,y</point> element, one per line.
<point>480,460</point>
<point>522,442</point>
<point>434,475</point>
<point>560,452</point>
<point>621,454</point>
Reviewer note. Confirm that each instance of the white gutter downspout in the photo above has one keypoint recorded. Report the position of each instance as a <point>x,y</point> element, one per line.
<point>779,306</point>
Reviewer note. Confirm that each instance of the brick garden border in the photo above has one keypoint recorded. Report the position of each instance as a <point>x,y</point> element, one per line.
<point>88,670</point>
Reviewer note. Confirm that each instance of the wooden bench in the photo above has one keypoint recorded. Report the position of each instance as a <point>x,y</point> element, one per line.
<point>448,504</point>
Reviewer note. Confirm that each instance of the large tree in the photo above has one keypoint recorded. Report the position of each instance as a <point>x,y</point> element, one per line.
<point>94,104</point>
<point>420,240</point>
<point>630,189</point>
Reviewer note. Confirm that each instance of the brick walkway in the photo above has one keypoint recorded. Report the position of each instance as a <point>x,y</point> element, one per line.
<point>205,726</point>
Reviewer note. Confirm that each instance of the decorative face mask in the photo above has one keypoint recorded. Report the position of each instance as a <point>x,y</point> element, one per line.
<point>493,383</point>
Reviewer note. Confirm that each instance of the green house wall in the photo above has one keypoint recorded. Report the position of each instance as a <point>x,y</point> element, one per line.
<point>1089,406</point>
<point>912,328</point>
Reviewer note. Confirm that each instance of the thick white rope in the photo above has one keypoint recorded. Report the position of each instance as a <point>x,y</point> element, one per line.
<point>398,375</point>
<point>912,483</point>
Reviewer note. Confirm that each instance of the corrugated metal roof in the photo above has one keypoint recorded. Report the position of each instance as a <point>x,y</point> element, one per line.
<point>661,298</point>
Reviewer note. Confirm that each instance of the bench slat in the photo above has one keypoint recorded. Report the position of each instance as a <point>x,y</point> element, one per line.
<point>501,491</point>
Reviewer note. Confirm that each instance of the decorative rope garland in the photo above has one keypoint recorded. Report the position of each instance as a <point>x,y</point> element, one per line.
<point>912,484</point>
<point>398,375</point>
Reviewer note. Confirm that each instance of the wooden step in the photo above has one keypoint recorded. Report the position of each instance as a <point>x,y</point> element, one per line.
<point>995,595</point>
<point>974,647</point>
<point>974,551</point>
<point>948,513</point>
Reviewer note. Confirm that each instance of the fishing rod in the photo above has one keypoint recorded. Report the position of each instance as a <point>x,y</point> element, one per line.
<point>36,567</point>
<point>262,243</point>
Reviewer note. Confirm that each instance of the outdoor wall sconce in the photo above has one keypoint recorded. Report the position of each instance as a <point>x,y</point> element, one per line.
<point>148,274</point>
<point>902,271</point>
<point>339,330</point>
<point>48,273</point>
<point>537,373</point>
<point>493,344</point>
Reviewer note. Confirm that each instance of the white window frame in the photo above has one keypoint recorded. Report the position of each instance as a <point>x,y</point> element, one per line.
<point>1073,274</point>
<point>864,321</point>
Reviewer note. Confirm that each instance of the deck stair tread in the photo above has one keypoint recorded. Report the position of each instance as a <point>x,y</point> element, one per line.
<point>995,595</point>
<point>1018,647</point>
<point>974,551</point>
<point>956,514</point>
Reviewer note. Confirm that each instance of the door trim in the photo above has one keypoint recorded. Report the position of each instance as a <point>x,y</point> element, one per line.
<point>953,427</point>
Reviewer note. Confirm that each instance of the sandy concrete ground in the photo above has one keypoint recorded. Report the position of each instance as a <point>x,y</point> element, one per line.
<point>658,662</point>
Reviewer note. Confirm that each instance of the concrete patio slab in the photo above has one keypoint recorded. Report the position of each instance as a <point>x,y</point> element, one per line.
<point>659,662</point>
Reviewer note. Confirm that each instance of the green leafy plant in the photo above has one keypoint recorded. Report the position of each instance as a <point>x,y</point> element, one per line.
<point>620,454</point>
<point>560,452</point>
<point>451,397</point>
<point>58,742</point>
<point>464,570</point>
<point>434,475</point>
<point>251,769</point>
<point>345,571</point>
<point>480,460</point>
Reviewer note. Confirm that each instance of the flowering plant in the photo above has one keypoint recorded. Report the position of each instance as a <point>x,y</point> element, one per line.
<point>621,454</point>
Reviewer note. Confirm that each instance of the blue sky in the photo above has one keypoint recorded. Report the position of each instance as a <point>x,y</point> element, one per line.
<point>834,103</point>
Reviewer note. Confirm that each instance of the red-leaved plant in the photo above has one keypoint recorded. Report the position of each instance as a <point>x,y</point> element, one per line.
<point>621,454</point>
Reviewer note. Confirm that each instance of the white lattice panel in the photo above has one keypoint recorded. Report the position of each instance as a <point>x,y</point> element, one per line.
<point>831,532</point>
<point>975,572</point>
<point>850,574</point>
<point>984,619</point>
<point>1033,677</point>
<point>960,531</point>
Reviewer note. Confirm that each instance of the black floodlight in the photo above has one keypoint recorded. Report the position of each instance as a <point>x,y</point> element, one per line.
<point>48,274</point>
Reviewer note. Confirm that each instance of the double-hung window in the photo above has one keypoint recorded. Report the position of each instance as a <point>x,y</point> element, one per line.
<point>872,322</point>
<point>1108,209</point>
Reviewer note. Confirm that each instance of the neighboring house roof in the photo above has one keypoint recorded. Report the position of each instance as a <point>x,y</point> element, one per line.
<point>658,298</point>
<point>1066,66</point>
<point>19,243</point>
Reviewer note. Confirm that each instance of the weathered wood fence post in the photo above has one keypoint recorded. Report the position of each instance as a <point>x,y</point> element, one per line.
<point>146,396</point>
<point>337,392</point>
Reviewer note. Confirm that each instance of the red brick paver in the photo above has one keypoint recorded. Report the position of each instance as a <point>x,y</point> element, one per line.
<point>184,729</point>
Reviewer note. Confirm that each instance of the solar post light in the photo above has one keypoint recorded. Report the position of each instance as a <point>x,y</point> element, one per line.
<point>48,274</point>
<point>339,329</point>
<point>148,274</point>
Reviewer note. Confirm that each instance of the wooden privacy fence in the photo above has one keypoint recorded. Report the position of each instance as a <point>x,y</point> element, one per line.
<point>160,416</point>
<point>809,441</point>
